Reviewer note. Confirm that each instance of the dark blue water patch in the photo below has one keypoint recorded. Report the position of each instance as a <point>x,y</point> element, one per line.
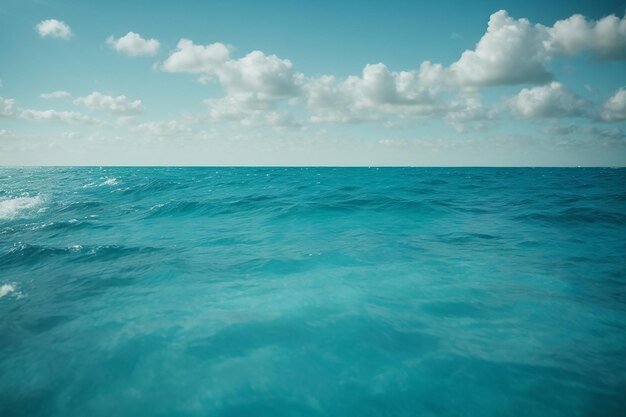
<point>26,254</point>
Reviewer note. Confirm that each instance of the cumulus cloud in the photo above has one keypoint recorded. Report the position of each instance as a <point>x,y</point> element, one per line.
<point>120,105</point>
<point>254,84</point>
<point>510,52</point>
<point>605,37</point>
<point>614,109</point>
<point>552,100</point>
<point>376,93</point>
<point>196,59</point>
<point>133,44</point>
<point>268,77</point>
<point>54,29</point>
<point>55,95</point>
<point>513,51</point>
<point>7,107</point>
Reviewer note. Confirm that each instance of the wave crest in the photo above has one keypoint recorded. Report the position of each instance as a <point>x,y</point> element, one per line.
<point>13,208</point>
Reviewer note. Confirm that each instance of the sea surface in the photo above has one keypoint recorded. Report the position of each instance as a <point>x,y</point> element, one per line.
<point>312,292</point>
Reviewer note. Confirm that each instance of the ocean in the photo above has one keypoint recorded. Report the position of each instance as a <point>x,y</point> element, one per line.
<point>312,292</point>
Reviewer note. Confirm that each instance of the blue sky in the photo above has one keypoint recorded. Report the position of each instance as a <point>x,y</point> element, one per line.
<point>313,83</point>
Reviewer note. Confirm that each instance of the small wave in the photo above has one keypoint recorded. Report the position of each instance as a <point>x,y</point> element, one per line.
<point>15,207</point>
<point>153,186</point>
<point>72,224</point>
<point>25,254</point>
<point>577,215</point>
<point>81,206</point>
<point>176,208</point>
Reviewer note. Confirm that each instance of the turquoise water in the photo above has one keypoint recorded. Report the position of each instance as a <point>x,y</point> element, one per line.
<point>312,292</point>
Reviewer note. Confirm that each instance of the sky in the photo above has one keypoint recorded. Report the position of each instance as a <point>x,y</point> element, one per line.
<point>340,83</point>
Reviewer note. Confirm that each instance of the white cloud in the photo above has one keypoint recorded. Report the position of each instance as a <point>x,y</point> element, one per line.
<point>259,88</point>
<point>254,84</point>
<point>266,76</point>
<point>133,44</point>
<point>513,51</point>
<point>54,29</point>
<point>614,109</point>
<point>55,116</point>
<point>605,37</point>
<point>552,100</point>
<point>376,93</point>
<point>120,105</point>
<point>55,95</point>
<point>248,110</point>
<point>510,52</point>
<point>466,112</point>
<point>196,59</point>
<point>7,107</point>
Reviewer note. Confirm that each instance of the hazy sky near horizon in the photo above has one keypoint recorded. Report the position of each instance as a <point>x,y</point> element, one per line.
<point>313,83</point>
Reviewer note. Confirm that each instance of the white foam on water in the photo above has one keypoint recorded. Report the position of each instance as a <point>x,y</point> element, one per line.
<point>110,181</point>
<point>6,289</point>
<point>14,207</point>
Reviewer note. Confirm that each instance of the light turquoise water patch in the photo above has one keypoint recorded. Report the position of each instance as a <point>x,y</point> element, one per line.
<point>312,292</point>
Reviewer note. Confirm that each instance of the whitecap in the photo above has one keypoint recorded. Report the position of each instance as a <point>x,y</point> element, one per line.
<point>13,207</point>
<point>6,289</point>
<point>109,181</point>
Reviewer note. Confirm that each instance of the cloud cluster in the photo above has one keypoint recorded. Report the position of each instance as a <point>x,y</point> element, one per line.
<point>8,108</point>
<point>196,59</point>
<point>132,44</point>
<point>264,89</point>
<point>614,108</point>
<point>511,52</point>
<point>253,83</point>
<point>120,105</point>
<point>552,100</point>
<point>54,29</point>
<point>377,92</point>
<point>605,37</point>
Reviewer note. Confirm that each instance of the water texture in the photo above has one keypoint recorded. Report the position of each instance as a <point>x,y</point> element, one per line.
<point>312,292</point>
